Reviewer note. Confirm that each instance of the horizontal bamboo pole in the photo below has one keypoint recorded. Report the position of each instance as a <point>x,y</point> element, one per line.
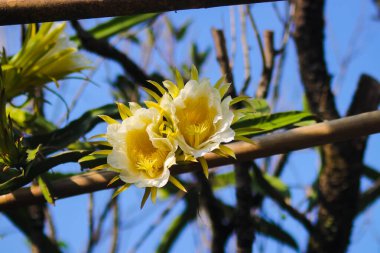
<point>282,142</point>
<point>33,11</point>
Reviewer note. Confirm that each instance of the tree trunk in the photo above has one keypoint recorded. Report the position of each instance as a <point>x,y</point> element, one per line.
<point>342,162</point>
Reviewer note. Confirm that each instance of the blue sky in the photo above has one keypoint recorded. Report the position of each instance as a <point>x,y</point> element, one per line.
<point>350,26</point>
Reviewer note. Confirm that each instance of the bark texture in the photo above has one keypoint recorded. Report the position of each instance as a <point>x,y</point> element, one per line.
<point>33,11</point>
<point>342,166</point>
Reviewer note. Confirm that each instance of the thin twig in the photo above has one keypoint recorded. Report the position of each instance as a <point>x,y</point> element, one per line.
<point>278,13</point>
<point>102,218</point>
<point>106,50</point>
<point>159,219</point>
<point>244,230</point>
<point>366,96</point>
<point>278,198</point>
<point>282,52</point>
<point>280,164</point>
<point>266,75</point>
<point>207,200</point>
<point>352,50</point>
<point>116,225</point>
<point>51,226</point>
<point>367,197</point>
<point>79,92</point>
<point>245,48</point>
<point>233,35</point>
<point>287,27</point>
<point>91,235</point>
<point>257,33</point>
<point>222,57</point>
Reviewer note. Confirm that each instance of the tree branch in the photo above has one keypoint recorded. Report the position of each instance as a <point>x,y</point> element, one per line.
<point>309,36</point>
<point>339,181</point>
<point>33,11</point>
<point>366,97</point>
<point>222,58</point>
<point>244,228</point>
<point>207,200</point>
<point>106,50</point>
<point>22,219</point>
<point>268,65</point>
<point>278,198</point>
<point>277,143</point>
<point>368,197</point>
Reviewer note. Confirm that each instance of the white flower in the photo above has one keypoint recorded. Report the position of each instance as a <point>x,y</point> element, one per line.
<point>202,118</point>
<point>140,150</point>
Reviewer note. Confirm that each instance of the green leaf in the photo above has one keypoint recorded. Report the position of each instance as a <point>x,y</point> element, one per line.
<point>182,30</point>
<point>223,180</point>
<point>251,125</point>
<point>258,106</point>
<point>119,24</point>
<point>32,153</point>
<point>194,73</point>
<point>57,175</point>
<point>39,167</point>
<point>120,190</point>
<point>177,183</point>
<point>275,232</point>
<point>199,57</point>
<point>227,179</point>
<point>30,123</point>
<point>145,197</point>
<point>91,161</point>
<point>204,165</point>
<point>63,137</point>
<point>45,187</point>
<point>278,184</point>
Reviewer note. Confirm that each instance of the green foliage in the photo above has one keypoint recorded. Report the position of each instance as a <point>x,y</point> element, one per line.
<point>277,184</point>
<point>274,232</point>
<point>45,187</point>
<point>28,122</point>
<point>46,56</point>
<point>12,152</point>
<point>257,106</point>
<point>251,125</point>
<point>223,180</point>
<point>199,57</point>
<point>33,154</point>
<point>76,129</point>
<point>118,25</point>
<point>180,32</point>
<point>38,167</point>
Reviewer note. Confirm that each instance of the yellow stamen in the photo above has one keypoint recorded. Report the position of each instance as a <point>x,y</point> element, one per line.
<point>141,151</point>
<point>196,120</point>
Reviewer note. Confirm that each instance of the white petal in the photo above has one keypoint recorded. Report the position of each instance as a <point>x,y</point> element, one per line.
<point>133,106</point>
<point>113,135</point>
<point>222,120</point>
<point>118,159</point>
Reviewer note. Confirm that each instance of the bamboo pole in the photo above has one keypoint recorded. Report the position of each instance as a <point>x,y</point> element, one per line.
<point>282,142</point>
<point>33,11</point>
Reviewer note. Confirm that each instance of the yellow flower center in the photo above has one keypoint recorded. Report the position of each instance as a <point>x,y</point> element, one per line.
<point>196,120</point>
<point>144,155</point>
